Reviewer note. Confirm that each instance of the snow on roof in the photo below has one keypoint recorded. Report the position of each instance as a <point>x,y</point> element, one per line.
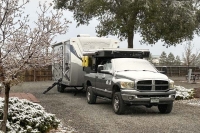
<point>97,42</point>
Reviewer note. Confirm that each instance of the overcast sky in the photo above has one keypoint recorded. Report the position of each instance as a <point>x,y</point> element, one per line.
<point>73,31</point>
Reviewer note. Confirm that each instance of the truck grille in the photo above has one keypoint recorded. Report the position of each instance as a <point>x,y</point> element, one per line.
<point>152,85</point>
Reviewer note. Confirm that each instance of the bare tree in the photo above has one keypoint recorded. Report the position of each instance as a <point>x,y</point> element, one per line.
<point>177,61</point>
<point>23,47</point>
<point>189,57</point>
<point>197,62</point>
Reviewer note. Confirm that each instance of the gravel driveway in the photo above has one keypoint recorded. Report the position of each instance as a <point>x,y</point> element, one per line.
<point>99,118</point>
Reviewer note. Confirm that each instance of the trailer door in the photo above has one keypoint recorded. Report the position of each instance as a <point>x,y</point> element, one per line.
<point>67,64</point>
<point>57,68</point>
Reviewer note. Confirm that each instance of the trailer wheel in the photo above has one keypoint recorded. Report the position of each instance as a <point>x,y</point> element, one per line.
<point>91,97</point>
<point>118,103</point>
<point>60,88</point>
<point>165,108</point>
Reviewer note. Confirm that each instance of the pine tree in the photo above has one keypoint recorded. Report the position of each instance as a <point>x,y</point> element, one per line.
<point>163,58</point>
<point>170,59</point>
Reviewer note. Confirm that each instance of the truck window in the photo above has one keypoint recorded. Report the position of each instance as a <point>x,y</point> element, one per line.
<point>107,65</point>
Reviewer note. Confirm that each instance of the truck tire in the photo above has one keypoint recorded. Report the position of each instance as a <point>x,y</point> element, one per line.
<point>60,88</point>
<point>165,108</point>
<point>118,103</point>
<point>91,97</point>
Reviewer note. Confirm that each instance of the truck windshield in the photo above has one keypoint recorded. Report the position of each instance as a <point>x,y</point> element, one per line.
<point>130,64</point>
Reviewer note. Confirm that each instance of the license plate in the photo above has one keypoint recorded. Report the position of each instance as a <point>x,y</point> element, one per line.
<point>154,100</point>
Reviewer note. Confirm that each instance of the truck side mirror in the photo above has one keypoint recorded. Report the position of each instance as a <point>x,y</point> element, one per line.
<point>100,67</point>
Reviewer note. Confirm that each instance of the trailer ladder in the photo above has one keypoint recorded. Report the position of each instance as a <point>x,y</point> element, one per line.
<point>54,84</point>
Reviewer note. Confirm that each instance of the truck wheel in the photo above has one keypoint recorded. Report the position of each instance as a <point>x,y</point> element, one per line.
<point>118,103</point>
<point>165,108</point>
<point>91,97</point>
<point>60,88</point>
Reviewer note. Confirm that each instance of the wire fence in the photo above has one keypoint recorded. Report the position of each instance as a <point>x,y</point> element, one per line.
<point>45,74</point>
<point>177,71</point>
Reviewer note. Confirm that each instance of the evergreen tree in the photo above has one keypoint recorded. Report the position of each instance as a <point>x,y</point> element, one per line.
<point>163,58</point>
<point>170,59</point>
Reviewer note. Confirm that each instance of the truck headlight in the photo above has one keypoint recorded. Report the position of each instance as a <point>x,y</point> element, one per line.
<point>127,85</point>
<point>171,84</point>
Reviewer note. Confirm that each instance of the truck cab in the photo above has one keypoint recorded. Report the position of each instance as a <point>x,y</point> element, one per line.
<point>128,79</point>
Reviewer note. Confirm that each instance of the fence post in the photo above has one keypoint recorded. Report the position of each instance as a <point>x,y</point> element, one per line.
<point>189,75</point>
<point>34,74</point>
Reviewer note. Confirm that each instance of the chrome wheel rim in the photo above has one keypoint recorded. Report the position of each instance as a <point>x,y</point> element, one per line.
<point>116,104</point>
<point>88,96</point>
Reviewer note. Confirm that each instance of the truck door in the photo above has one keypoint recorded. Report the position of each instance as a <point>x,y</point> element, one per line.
<point>104,81</point>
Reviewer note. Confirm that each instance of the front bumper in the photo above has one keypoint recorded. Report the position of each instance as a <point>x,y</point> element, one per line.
<point>135,97</point>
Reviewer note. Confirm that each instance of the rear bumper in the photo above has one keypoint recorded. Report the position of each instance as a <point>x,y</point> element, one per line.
<point>135,97</point>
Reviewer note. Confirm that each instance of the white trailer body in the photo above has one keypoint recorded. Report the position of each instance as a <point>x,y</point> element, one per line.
<point>70,69</point>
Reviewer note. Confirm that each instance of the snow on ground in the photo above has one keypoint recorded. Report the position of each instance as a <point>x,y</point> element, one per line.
<point>192,102</point>
<point>62,129</point>
<point>183,93</point>
<point>185,96</point>
<point>25,116</point>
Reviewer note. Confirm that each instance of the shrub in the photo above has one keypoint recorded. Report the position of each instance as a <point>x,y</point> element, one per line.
<point>183,93</point>
<point>27,117</point>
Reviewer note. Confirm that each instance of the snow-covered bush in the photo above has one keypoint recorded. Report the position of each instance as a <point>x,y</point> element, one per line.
<point>27,117</point>
<point>183,93</point>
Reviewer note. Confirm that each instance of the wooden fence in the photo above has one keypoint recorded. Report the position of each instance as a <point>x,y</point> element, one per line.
<point>43,74</point>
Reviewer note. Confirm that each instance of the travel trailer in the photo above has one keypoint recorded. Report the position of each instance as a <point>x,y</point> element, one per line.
<point>69,70</point>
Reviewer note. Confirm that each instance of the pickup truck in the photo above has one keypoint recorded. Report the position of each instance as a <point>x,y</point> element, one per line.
<point>130,81</point>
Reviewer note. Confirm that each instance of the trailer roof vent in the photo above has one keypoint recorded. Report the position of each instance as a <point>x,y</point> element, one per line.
<point>83,35</point>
